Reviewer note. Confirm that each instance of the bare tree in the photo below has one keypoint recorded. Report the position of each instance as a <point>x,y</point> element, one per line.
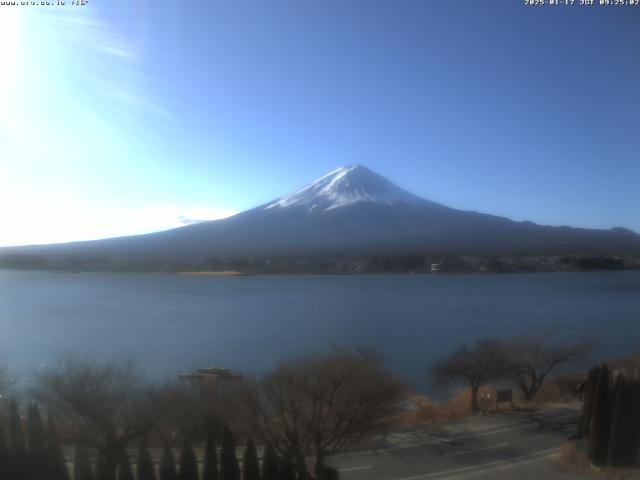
<point>103,406</point>
<point>319,404</point>
<point>189,409</point>
<point>474,365</point>
<point>6,382</point>
<point>181,406</point>
<point>529,359</point>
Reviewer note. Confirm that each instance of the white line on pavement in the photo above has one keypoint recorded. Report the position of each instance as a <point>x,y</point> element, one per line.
<point>480,466</point>
<point>496,468</point>
<point>484,434</point>
<point>438,441</point>
<point>500,445</point>
<point>353,469</point>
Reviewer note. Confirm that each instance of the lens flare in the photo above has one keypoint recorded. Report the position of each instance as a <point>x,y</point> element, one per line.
<point>10,53</point>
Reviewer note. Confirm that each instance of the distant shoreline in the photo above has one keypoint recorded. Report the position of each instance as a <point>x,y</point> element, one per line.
<point>348,264</point>
<point>223,273</point>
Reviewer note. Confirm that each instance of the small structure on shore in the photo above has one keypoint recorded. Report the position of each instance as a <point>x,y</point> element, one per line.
<point>504,396</point>
<point>209,377</point>
<point>209,372</point>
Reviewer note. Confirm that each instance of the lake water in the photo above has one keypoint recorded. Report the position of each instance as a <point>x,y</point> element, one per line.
<point>172,323</point>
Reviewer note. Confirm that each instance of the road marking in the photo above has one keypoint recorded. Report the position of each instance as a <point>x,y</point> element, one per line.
<point>476,450</point>
<point>440,440</point>
<point>484,434</point>
<point>497,468</point>
<point>480,466</point>
<point>353,469</point>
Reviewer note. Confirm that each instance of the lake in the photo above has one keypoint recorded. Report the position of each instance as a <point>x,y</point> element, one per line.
<point>171,323</point>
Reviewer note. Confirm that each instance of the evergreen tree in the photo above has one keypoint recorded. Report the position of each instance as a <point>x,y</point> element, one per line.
<point>5,457</point>
<point>250,466</point>
<point>168,465</point>
<point>633,405</point>
<point>270,467</point>
<point>17,445</point>
<point>229,468</point>
<point>287,471</point>
<point>82,465</point>
<point>600,419</point>
<point>329,473</point>
<point>103,471</point>
<point>145,463</point>
<point>587,406</point>
<point>210,462</point>
<point>56,463</point>
<point>623,444</point>
<point>37,443</point>
<point>188,462</point>
<point>125,472</point>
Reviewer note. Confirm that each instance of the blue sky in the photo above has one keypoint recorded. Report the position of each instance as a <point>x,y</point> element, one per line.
<point>123,117</point>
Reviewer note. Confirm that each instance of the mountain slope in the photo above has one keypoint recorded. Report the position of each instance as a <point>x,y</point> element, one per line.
<point>352,210</point>
<point>347,186</point>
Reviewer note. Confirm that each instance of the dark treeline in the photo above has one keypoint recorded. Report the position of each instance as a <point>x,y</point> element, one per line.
<point>111,424</point>
<point>327,264</point>
<point>31,449</point>
<point>104,422</point>
<point>611,417</point>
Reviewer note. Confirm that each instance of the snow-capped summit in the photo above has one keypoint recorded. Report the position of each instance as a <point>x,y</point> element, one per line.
<point>346,186</point>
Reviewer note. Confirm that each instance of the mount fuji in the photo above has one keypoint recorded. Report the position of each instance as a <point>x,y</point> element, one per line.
<point>353,211</point>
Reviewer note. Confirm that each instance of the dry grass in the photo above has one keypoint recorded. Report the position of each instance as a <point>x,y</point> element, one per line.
<point>571,456</point>
<point>560,389</point>
<point>427,410</point>
<point>575,458</point>
<point>556,390</point>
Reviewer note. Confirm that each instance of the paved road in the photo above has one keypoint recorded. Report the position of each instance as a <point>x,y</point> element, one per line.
<point>504,446</point>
